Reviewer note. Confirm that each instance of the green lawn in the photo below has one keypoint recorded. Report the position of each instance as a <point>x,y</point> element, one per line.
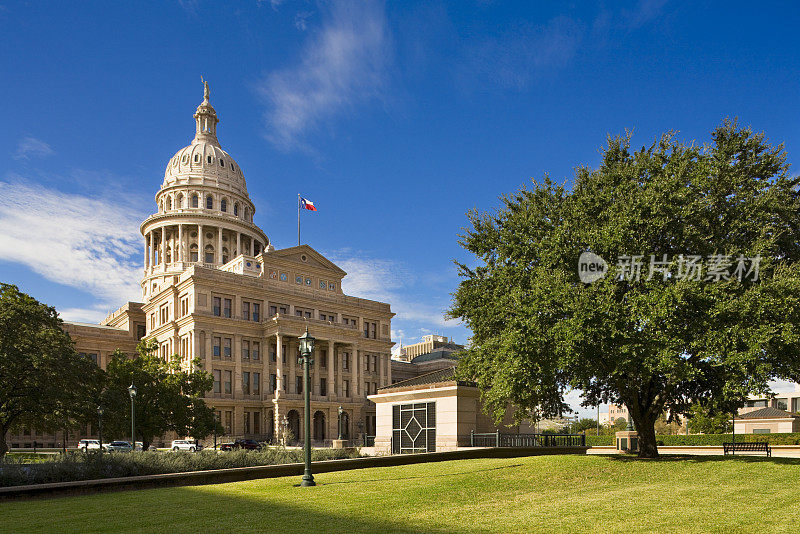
<point>538,494</point>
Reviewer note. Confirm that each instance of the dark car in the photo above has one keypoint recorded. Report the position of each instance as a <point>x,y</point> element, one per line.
<point>246,444</point>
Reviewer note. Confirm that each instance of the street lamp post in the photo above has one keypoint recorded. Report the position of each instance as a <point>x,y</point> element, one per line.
<point>340,423</point>
<point>132,393</point>
<point>100,425</point>
<point>306,351</point>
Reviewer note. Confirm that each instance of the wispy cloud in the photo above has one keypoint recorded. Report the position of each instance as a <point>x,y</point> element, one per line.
<point>520,55</point>
<point>417,312</point>
<point>344,61</point>
<point>301,20</point>
<point>89,243</point>
<point>29,147</point>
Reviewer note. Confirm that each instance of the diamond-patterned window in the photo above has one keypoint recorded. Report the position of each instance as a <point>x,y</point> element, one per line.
<point>414,428</point>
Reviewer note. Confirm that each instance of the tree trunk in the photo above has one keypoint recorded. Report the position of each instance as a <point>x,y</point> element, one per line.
<point>646,428</point>
<point>3,444</point>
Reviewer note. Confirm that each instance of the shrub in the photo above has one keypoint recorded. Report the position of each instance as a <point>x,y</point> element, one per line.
<point>704,439</point>
<point>94,465</point>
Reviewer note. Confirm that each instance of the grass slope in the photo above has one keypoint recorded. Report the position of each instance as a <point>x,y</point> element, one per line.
<point>538,494</point>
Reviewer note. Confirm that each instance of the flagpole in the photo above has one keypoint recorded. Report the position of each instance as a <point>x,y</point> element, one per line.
<point>298,219</point>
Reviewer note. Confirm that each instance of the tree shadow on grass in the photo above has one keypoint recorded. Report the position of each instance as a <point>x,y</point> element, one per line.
<point>198,509</point>
<point>420,477</point>
<point>706,458</point>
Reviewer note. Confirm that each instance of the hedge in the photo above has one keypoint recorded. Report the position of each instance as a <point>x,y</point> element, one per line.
<point>704,439</point>
<point>94,465</point>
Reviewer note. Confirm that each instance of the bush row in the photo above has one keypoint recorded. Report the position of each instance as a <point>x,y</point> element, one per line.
<point>705,439</point>
<point>94,465</point>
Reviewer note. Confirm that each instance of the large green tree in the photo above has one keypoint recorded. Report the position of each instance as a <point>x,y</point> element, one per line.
<point>168,397</point>
<point>703,324</point>
<point>44,383</point>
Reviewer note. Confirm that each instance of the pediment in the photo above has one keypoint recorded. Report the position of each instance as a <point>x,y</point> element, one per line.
<point>304,255</point>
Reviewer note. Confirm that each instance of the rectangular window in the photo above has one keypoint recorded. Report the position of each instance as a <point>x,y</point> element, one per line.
<point>283,352</point>
<point>228,377</point>
<point>209,257</point>
<point>246,422</point>
<point>323,387</point>
<point>217,347</point>
<point>245,310</point>
<point>256,312</point>
<point>782,404</point>
<point>374,330</point>
<point>226,308</point>
<point>345,361</point>
<point>323,359</point>
<point>245,349</point>
<point>346,387</point>
<point>762,431</point>
<point>273,311</point>
<point>246,382</point>
<point>141,331</point>
<point>307,314</point>
<point>227,347</point>
<point>414,428</point>
<point>366,329</point>
<point>273,383</point>
<point>256,383</point>
<point>256,422</point>
<point>298,384</point>
<point>273,353</point>
<point>256,350</point>
<point>217,306</point>
<point>285,384</point>
<point>217,381</point>
<point>229,422</point>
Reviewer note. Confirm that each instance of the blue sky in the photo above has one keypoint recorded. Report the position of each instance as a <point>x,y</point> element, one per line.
<point>395,119</point>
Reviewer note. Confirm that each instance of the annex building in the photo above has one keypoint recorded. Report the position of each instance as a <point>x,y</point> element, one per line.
<point>214,288</point>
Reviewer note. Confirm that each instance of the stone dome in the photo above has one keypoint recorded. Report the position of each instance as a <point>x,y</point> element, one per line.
<point>204,160</point>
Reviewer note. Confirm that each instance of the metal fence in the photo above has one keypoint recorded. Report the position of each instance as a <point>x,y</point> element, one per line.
<point>497,439</point>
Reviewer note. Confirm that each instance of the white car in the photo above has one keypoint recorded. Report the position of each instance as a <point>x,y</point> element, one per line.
<point>89,444</point>
<point>184,445</point>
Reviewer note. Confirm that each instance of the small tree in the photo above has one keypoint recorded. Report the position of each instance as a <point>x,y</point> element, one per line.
<point>706,420</point>
<point>167,399</point>
<point>44,383</point>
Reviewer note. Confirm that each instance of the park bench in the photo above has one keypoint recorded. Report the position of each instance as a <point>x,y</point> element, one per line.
<point>747,446</point>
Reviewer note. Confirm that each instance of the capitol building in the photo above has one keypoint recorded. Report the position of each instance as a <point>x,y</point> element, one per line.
<point>215,289</point>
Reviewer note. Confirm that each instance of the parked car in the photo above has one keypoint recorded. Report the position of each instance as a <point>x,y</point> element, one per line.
<point>89,444</point>
<point>246,444</point>
<point>119,446</point>
<point>185,445</point>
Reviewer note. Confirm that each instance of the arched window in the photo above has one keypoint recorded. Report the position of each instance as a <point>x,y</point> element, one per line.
<point>223,205</point>
<point>209,254</point>
<point>193,252</point>
<point>236,208</point>
<point>209,159</point>
<point>224,255</point>
<point>221,162</point>
<point>169,203</point>
<point>195,201</point>
<point>196,158</point>
<point>161,207</point>
<point>179,202</point>
<point>209,202</point>
<point>247,214</point>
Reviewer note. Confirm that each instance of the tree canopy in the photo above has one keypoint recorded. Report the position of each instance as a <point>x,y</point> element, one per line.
<point>44,383</point>
<point>695,287</point>
<point>168,397</point>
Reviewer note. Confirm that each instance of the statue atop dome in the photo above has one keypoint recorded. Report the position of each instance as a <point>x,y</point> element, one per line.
<point>206,91</point>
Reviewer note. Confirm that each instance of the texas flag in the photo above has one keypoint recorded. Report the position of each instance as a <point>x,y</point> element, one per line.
<point>307,204</point>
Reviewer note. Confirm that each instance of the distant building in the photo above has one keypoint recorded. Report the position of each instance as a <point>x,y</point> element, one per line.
<point>429,343</point>
<point>767,421</point>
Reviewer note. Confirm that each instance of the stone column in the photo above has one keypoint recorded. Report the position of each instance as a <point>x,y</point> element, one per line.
<point>152,249</point>
<point>219,245</point>
<point>279,365</point>
<point>180,243</point>
<point>163,246</point>
<point>292,365</point>
<point>331,377</point>
<point>238,243</point>
<point>200,245</point>
<point>146,252</point>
